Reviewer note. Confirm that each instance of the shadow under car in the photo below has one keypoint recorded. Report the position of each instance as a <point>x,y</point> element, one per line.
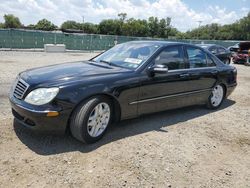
<point>54,144</point>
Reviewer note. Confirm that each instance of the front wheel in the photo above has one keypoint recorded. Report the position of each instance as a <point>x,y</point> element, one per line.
<point>216,98</point>
<point>91,119</point>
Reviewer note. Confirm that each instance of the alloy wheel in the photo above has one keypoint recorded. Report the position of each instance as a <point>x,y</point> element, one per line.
<point>98,119</point>
<point>217,95</point>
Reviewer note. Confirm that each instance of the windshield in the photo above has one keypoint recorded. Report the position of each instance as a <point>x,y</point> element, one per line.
<point>127,55</point>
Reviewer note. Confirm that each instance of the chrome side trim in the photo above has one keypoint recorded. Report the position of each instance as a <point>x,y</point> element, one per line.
<point>191,69</point>
<point>169,96</point>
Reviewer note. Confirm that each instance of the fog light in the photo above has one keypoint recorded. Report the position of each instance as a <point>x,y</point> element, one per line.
<point>52,114</point>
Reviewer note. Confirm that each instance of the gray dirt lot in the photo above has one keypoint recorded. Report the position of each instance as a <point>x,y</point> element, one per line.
<point>190,147</point>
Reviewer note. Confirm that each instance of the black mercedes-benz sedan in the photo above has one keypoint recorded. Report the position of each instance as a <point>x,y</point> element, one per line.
<point>219,51</point>
<point>129,80</point>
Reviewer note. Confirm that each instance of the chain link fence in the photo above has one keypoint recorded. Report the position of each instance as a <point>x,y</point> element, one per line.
<point>32,39</point>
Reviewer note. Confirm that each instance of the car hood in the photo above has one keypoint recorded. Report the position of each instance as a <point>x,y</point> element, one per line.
<point>69,71</point>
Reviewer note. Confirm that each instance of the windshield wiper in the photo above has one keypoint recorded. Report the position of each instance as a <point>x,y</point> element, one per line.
<point>103,61</point>
<point>107,62</point>
<point>110,63</point>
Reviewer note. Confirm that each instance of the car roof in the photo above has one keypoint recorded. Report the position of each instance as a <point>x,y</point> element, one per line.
<point>206,45</point>
<point>160,43</point>
<point>156,42</point>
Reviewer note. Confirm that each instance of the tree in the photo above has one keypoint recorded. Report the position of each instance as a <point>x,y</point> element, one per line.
<point>135,27</point>
<point>71,25</point>
<point>30,26</point>
<point>153,25</point>
<point>168,23</point>
<point>89,28</point>
<point>110,27</point>
<point>180,35</point>
<point>45,25</point>
<point>162,28</point>
<point>174,32</point>
<point>236,31</point>
<point>1,25</point>
<point>11,21</point>
<point>122,17</point>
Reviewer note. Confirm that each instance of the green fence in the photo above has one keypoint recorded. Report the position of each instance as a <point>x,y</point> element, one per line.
<point>30,39</point>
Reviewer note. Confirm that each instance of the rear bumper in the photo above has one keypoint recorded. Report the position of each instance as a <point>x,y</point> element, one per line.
<point>37,120</point>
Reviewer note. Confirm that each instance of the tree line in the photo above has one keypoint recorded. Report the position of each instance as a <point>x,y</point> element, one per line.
<point>151,27</point>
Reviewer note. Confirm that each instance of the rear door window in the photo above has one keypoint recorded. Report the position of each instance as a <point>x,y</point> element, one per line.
<point>196,57</point>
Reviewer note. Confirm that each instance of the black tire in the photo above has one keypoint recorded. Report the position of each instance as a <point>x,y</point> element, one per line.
<point>210,104</point>
<point>80,116</point>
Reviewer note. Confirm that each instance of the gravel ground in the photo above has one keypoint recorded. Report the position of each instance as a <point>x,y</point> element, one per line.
<point>190,147</point>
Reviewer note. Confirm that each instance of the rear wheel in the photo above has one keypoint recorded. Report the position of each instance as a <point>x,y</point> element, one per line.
<point>91,119</point>
<point>216,98</point>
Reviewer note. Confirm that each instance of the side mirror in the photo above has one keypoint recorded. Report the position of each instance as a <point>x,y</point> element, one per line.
<point>157,69</point>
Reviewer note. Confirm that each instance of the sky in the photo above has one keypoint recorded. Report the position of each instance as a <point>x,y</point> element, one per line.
<point>185,14</point>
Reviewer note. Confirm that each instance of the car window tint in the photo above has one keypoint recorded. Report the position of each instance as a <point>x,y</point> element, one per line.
<point>196,57</point>
<point>210,62</point>
<point>172,57</point>
<point>221,50</point>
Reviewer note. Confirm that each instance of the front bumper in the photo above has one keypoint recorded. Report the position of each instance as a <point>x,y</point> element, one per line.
<point>35,117</point>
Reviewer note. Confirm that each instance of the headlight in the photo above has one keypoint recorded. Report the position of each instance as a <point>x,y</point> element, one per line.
<point>41,96</point>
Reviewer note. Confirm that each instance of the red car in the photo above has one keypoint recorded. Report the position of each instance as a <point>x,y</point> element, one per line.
<point>243,54</point>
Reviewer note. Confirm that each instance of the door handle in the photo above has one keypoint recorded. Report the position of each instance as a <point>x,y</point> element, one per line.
<point>184,75</point>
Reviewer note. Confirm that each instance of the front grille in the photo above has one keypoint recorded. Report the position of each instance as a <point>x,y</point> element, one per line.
<point>20,88</point>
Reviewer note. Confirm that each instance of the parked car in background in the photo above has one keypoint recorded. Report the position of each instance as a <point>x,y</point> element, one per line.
<point>234,48</point>
<point>127,81</point>
<point>242,56</point>
<point>219,51</point>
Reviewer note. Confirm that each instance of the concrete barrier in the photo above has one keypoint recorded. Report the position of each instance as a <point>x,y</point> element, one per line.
<point>54,48</point>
